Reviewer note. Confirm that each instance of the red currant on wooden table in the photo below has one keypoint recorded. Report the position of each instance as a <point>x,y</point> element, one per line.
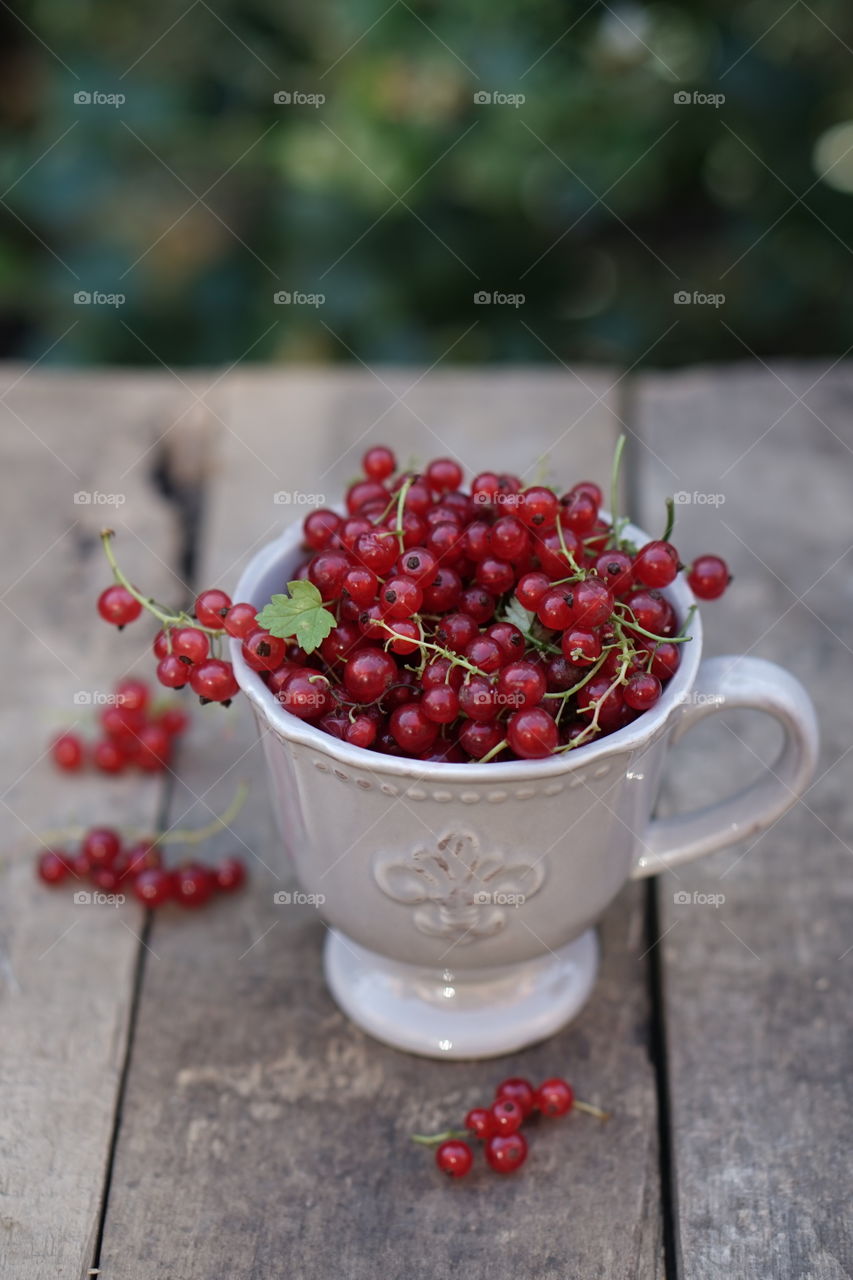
<point>454,1158</point>
<point>506,1152</point>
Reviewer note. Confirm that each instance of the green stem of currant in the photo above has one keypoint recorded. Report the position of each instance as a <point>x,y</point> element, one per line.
<point>433,1139</point>
<point>670,519</point>
<point>590,672</point>
<point>401,502</point>
<point>163,615</point>
<point>444,653</point>
<point>495,751</point>
<point>635,626</point>
<point>174,836</point>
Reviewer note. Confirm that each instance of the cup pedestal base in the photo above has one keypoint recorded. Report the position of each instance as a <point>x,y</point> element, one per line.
<point>476,1013</point>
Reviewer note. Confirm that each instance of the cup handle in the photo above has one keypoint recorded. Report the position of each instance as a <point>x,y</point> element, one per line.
<point>723,683</point>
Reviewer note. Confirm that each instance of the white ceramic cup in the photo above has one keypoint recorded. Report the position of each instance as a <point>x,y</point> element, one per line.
<point>461,898</point>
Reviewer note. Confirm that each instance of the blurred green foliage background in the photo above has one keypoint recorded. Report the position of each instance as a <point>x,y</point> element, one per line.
<point>400,196</point>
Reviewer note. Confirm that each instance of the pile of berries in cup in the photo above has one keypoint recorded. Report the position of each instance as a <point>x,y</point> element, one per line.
<point>113,866</point>
<point>451,624</point>
<point>134,733</point>
<point>498,1127</point>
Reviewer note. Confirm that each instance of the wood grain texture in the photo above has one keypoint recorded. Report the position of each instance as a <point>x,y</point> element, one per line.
<point>262,1133</point>
<point>67,969</point>
<point>757,1008</point>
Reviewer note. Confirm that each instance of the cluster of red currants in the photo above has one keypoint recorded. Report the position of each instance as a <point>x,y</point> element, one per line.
<point>498,1126</point>
<point>134,733</point>
<point>111,867</point>
<point>501,622</point>
<point>186,645</point>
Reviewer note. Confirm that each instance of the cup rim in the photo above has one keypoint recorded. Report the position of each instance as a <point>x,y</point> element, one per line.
<point>640,732</point>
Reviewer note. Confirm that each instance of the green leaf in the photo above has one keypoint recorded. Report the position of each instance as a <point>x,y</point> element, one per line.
<point>299,615</point>
<point>520,617</point>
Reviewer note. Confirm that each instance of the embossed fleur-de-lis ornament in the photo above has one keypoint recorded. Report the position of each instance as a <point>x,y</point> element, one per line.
<point>458,891</point>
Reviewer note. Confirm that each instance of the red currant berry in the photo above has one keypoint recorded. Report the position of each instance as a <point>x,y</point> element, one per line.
<point>554,1097</point>
<point>485,653</point>
<point>230,875</point>
<point>401,597</point>
<point>319,528</point>
<point>578,512</point>
<point>171,672</point>
<point>142,856</point>
<point>556,608</point>
<point>708,577</point>
<point>361,732</point>
<point>495,576</point>
<point>521,684</point>
<point>377,551</point>
<point>379,463</point>
<point>307,696</point>
<point>153,747</point>
<point>67,752</point>
<point>192,885</point>
<point>455,631</point>
<point>593,603</point>
<point>211,608</point>
<point>440,704</point>
<point>411,728</point>
<point>485,488</point>
<point>368,674</point>
<point>538,508</point>
<point>362,584</point>
<point>442,671</point>
<point>642,691</point>
<point>262,651</point>
<point>656,564</point>
<point>616,569</point>
<point>507,1115</point>
<point>101,846</point>
<point>153,886</point>
<point>328,571</point>
<point>532,734</point>
<point>364,492</point>
<point>118,606</point>
<point>53,867</point>
<point>479,1120</point>
<point>444,592</point>
<point>190,643</point>
<point>580,647</point>
<point>506,1152</point>
<point>478,699</point>
<point>240,620</point>
<point>454,1158</point>
<point>520,1090</point>
<point>531,588</point>
<point>648,610</point>
<point>666,658</point>
<point>420,564</point>
<point>214,681</point>
<point>479,738</point>
<point>108,756</point>
<point>443,475</point>
<point>508,638</point>
<point>509,540</point>
<point>478,540</point>
<point>132,695</point>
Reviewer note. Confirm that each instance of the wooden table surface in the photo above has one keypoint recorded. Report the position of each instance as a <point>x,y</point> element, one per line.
<point>180,1096</point>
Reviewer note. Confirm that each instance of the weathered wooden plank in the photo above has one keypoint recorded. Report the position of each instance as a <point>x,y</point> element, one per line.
<point>757,990</point>
<point>67,969</point>
<point>262,1133</point>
